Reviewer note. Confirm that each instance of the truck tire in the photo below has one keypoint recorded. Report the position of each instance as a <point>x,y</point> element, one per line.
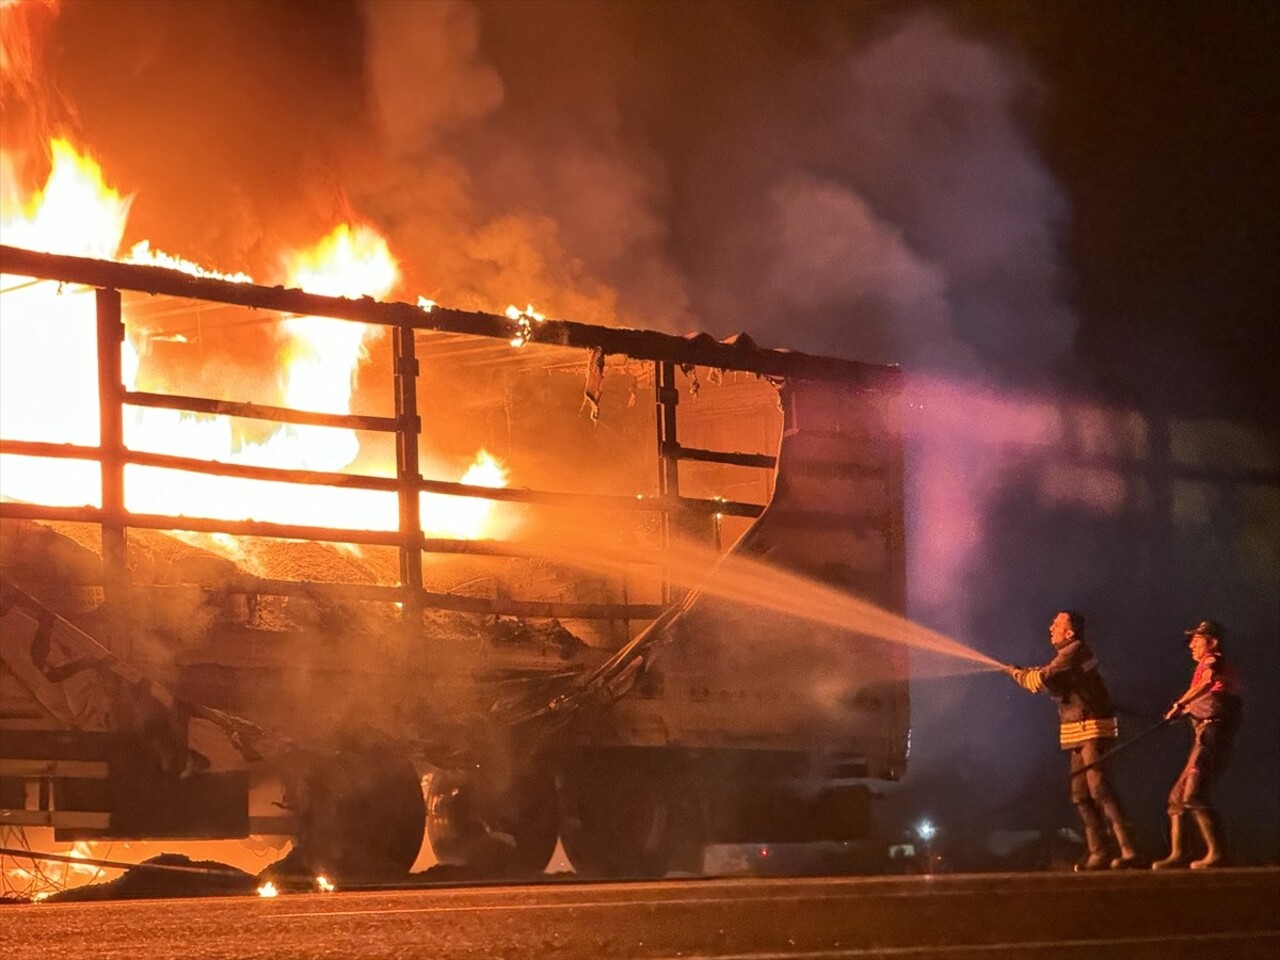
<point>359,814</point>
<point>627,815</point>
<point>493,831</point>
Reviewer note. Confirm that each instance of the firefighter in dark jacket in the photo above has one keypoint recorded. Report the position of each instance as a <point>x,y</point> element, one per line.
<point>1087,727</point>
<point>1212,704</point>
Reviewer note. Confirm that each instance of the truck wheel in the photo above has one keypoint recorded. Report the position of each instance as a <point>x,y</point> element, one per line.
<point>625,816</point>
<point>359,814</point>
<point>507,831</point>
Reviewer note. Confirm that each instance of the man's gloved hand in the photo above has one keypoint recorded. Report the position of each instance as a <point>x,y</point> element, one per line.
<point>1017,673</point>
<point>1173,711</point>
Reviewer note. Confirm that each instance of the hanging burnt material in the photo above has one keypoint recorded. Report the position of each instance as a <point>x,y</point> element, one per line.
<point>594,387</point>
<point>691,372</point>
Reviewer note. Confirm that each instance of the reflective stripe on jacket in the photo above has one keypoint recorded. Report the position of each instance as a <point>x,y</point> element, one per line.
<point>1073,680</point>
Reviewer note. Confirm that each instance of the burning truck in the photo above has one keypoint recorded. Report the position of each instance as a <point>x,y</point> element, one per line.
<point>202,641</point>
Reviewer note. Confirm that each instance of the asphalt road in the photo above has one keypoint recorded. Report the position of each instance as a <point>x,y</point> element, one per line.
<point>1231,914</point>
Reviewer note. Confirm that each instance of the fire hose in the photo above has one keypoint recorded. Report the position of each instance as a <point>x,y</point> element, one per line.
<point>1057,781</point>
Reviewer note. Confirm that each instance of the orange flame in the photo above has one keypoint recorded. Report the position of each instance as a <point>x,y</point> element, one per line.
<point>460,517</point>
<point>75,213</point>
<point>48,358</point>
<point>39,880</point>
<point>48,376</point>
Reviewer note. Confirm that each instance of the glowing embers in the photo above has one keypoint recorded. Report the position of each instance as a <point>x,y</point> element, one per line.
<point>142,253</point>
<point>526,323</point>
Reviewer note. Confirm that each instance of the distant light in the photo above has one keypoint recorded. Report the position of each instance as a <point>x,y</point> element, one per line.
<point>324,884</point>
<point>926,830</point>
<point>268,889</point>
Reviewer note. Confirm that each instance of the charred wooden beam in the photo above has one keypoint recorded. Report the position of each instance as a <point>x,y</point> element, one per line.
<point>56,451</point>
<point>257,411</point>
<point>592,501</point>
<point>238,528</point>
<point>544,609</point>
<point>255,528</point>
<point>37,769</point>
<point>216,468</point>
<point>486,606</point>
<point>174,283</point>
<point>737,354</point>
<point>762,460</point>
<point>548,498</point>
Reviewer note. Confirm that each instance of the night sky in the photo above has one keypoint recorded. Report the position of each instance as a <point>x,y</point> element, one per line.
<point>1064,203</point>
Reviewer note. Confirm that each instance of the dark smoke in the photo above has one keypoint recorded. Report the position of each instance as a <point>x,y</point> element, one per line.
<point>868,188</point>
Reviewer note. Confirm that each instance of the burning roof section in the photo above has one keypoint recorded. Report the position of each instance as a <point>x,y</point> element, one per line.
<point>739,352</point>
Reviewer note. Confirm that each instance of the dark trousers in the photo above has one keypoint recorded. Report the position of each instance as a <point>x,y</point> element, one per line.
<point>1090,791</point>
<point>1206,761</point>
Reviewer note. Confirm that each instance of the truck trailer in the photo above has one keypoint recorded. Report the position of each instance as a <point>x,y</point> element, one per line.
<point>619,646</point>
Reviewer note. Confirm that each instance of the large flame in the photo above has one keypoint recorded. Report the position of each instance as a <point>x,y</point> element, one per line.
<point>48,376</point>
<point>75,212</point>
<point>48,353</point>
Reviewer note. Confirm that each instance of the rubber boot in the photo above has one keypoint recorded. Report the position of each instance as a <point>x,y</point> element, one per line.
<point>1128,858</point>
<point>1095,838</point>
<point>1177,853</point>
<point>1213,843</point>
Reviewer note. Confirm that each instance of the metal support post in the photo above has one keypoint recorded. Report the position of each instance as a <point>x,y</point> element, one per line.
<point>667,397</point>
<point>409,425</point>
<point>111,442</point>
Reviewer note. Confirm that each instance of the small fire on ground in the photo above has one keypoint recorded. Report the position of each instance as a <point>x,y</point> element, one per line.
<point>321,884</point>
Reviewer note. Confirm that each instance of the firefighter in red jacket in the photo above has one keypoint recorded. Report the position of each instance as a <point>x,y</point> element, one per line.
<point>1087,727</point>
<point>1212,704</point>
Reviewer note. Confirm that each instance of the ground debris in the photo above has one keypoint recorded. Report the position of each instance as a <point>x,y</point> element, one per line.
<point>142,883</point>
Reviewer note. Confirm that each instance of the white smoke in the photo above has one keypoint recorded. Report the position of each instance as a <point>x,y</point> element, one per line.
<point>909,217</point>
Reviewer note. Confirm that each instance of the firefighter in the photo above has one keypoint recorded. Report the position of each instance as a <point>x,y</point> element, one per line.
<point>1087,726</point>
<point>1212,704</point>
